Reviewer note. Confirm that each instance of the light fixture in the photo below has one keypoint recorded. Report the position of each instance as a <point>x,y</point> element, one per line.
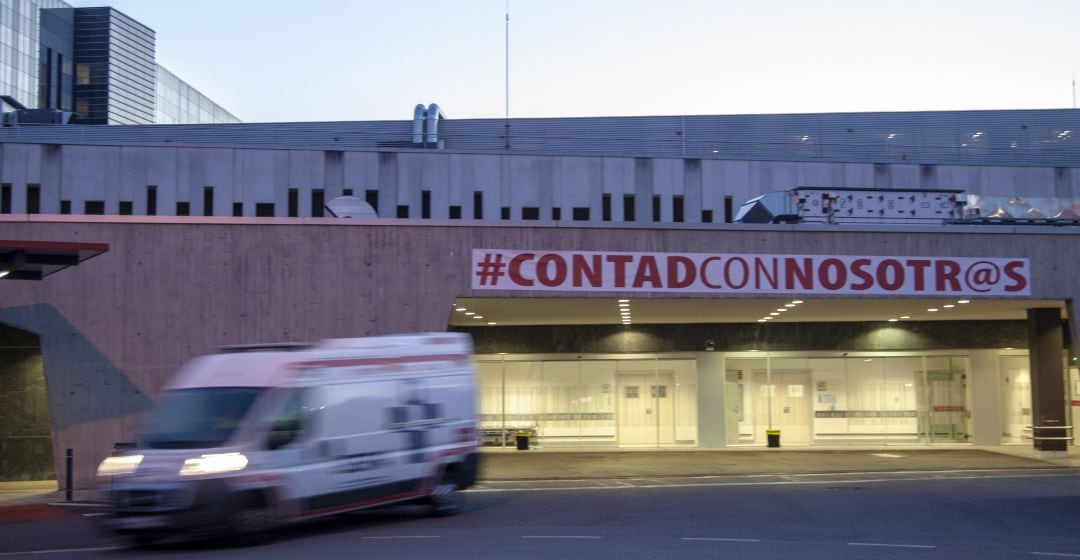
<point>905,316</point>
<point>893,320</point>
<point>470,313</point>
<point>624,305</point>
<point>932,309</point>
<point>789,305</point>
<point>478,316</point>
<point>868,359</point>
<point>763,320</point>
<point>492,323</point>
<point>774,314</point>
<point>963,301</point>
<point>948,306</point>
<point>624,301</point>
<point>459,309</point>
<point>4,273</point>
<point>797,301</point>
<point>781,309</point>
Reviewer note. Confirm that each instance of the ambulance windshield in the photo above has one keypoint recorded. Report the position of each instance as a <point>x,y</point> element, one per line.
<point>199,418</point>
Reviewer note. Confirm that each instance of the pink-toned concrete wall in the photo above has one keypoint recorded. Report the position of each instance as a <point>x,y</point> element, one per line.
<point>169,289</point>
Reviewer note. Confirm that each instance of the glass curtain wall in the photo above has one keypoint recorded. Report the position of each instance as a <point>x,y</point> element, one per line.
<point>874,400</point>
<point>630,402</point>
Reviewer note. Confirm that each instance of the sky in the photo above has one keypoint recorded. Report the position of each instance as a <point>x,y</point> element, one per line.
<point>337,60</point>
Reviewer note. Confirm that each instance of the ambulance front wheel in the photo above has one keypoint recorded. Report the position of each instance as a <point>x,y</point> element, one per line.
<point>447,500</point>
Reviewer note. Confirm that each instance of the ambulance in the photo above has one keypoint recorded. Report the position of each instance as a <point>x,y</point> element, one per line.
<point>262,435</point>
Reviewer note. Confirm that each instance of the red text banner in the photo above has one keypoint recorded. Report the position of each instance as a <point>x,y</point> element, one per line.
<point>575,271</point>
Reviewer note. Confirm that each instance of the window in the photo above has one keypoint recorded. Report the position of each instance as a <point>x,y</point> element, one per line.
<point>65,206</point>
<point>706,216</point>
<point>605,210</point>
<point>581,214</point>
<point>677,209</point>
<point>478,205</point>
<point>94,207</point>
<point>656,208</point>
<point>183,208</point>
<point>371,196</point>
<point>33,199</point>
<point>729,208</point>
<point>403,211</point>
<point>151,200</point>
<point>82,74</point>
<point>208,201</point>
<point>294,203</point>
<point>125,207</point>
<point>556,213</point>
<point>505,213</point>
<point>5,198</point>
<point>455,212</point>
<point>348,192</point>
<point>530,213</point>
<point>318,202</point>
<point>425,205</point>
<point>238,209</point>
<point>264,209</point>
<point>628,205</point>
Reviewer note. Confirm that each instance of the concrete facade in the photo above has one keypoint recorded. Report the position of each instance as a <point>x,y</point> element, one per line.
<point>114,328</point>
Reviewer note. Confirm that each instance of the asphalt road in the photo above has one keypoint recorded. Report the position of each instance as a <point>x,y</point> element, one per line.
<point>955,516</point>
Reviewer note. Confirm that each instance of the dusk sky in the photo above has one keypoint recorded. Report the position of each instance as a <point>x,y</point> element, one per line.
<point>328,60</point>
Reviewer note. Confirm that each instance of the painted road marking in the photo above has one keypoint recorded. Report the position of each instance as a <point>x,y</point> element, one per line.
<point>560,537</point>
<point>1059,554</point>
<point>719,539</point>
<point>891,545</point>
<point>408,537</point>
<point>63,550</point>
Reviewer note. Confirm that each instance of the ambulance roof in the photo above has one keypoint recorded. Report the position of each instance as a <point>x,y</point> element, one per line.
<point>268,367</point>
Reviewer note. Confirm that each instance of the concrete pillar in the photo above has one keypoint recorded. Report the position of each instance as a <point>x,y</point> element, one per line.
<point>985,406</point>
<point>711,406</point>
<point>1047,380</point>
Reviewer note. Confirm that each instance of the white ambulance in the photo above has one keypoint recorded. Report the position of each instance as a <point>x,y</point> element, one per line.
<point>262,435</point>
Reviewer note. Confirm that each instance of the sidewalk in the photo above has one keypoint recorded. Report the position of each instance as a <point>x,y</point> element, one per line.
<point>509,464</point>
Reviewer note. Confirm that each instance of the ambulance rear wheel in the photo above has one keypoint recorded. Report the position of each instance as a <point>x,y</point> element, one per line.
<point>447,500</point>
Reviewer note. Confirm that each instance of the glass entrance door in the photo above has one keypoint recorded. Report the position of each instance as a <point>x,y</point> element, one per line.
<point>645,411</point>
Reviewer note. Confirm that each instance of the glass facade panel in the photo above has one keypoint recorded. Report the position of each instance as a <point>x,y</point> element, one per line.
<point>1015,399</point>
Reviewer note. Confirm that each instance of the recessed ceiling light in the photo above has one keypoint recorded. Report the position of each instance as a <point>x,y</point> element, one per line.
<point>789,305</point>
<point>470,313</point>
<point>782,309</point>
<point>459,309</point>
<point>868,359</point>
<point>905,316</point>
<point>767,318</point>
<point>932,309</point>
<point>893,320</point>
<point>796,301</point>
<point>624,301</point>
<point>774,314</point>
<point>478,316</point>
<point>492,323</point>
<point>763,320</point>
<point>963,301</point>
<point>624,305</point>
<point>948,306</point>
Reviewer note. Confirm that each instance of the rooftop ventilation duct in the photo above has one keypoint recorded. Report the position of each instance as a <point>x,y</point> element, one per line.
<point>350,207</point>
<point>425,129</point>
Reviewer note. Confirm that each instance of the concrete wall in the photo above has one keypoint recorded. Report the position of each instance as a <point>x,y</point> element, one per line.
<point>116,174</point>
<point>168,290</point>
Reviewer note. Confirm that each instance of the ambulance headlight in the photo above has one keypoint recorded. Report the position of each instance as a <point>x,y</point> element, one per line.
<point>120,464</point>
<point>214,463</point>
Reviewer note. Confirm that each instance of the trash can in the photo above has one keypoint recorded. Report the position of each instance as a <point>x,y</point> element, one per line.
<point>773,437</point>
<point>522,440</point>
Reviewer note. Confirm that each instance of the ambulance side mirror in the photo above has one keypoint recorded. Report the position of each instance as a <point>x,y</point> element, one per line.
<point>280,438</point>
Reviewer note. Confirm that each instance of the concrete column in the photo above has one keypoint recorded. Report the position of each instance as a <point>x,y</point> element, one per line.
<point>985,406</point>
<point>711,408</point>
<point>1047,379</point>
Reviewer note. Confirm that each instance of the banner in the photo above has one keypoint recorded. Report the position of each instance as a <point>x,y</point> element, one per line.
<point>723,273</point>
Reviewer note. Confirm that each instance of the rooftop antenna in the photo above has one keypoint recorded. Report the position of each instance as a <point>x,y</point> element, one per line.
<point>507,103</point>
